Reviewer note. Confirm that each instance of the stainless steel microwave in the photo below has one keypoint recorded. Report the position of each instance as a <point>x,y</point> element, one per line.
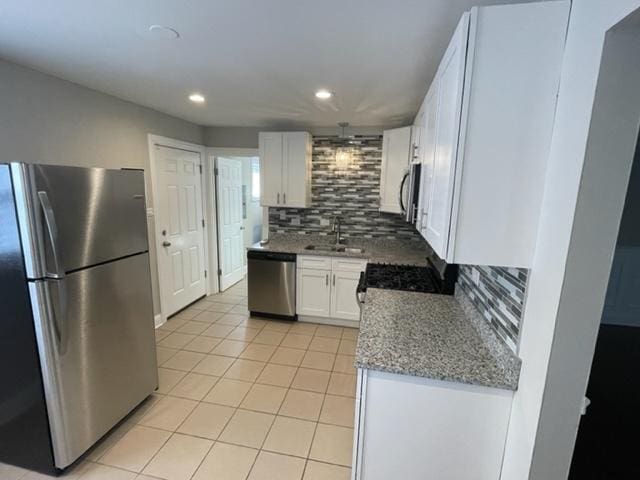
<point>410,192</point>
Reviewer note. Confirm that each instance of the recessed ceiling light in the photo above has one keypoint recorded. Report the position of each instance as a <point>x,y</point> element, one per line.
<point>162,31</point>
<point>196,98</point>
<point>324,94</point>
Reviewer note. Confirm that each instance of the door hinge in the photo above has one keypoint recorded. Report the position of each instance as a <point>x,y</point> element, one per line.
<point>219,272</point>
<point>203,223</point>
<point>215,171</point>
<point>200,166</point>
<point>205,274</point>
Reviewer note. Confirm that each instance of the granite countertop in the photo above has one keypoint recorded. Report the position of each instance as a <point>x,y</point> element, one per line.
<point>433,336</point>
<point>397,252</point>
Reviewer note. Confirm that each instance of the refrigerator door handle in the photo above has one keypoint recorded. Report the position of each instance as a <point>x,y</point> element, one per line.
<point>58,312</point>
<point>50,220</point>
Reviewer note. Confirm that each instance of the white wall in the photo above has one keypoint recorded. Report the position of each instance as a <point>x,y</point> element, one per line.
<point>44,119</point>
<point>562,305</point>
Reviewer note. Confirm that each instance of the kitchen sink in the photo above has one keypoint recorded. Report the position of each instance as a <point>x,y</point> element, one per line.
<point>334,248</point>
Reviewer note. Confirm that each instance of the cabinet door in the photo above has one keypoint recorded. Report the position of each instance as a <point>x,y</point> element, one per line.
<point>427,145</point>
<point>313,292</point>
<point>296,169</point>
<point>396,146</point>
<point>270,169</point>
<point>450,80</point>
<point>344,304</point>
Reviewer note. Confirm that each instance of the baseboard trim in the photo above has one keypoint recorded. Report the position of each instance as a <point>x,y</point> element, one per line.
<point>158,320</point>
<point>337,322</point>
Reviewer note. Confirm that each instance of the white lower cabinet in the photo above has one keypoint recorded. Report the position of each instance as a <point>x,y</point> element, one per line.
<point>326,289</point>
<point>314,292</point>
<point>344,303</point>
<point>418,428</point>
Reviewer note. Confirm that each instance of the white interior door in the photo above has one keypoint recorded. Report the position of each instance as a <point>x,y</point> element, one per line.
<point>179,217</point>
<point>230,223</point>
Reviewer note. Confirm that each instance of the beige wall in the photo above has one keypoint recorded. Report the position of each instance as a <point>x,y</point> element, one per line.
<point>47,120</point>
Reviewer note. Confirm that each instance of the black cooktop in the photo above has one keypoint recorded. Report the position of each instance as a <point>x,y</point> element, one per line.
<point>408,278</point>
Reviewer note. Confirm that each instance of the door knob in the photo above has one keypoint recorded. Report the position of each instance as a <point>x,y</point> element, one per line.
<point>166,244</point>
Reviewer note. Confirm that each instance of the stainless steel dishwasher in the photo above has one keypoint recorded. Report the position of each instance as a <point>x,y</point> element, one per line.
<point>271,279</point>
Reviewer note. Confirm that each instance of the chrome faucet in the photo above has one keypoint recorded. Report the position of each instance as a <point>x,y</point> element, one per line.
<point>335,228</point>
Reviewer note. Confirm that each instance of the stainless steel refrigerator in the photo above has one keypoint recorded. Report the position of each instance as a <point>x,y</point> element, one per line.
<point>77,346</point>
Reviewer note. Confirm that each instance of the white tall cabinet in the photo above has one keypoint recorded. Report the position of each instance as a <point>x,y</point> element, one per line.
<point>493,99</point>
<point>285,169</point>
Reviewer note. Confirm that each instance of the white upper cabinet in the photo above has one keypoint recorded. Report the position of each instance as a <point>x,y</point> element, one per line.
<point>396,153</point>
<point>296,177</point>
<point>270,168</point>
<point>495,94</point>
<point>450,80</point>
<point>428,149</point>
<point>285,169</point>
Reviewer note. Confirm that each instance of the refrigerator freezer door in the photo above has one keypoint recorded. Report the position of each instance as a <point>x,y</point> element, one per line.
<point>73,218</point>
<point>95,336</point>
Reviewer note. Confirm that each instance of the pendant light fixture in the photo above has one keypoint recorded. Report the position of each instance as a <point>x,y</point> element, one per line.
<point>344,154</point>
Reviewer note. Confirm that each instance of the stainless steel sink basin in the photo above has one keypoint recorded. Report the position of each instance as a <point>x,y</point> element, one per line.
<point>322,248</point>
<point>334,248</point>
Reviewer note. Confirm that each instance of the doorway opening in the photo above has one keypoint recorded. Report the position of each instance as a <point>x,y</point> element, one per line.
<point>239,216</point>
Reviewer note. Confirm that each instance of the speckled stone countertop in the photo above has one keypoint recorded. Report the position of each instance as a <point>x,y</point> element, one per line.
<point>397,252</point>
<point>433,336</point>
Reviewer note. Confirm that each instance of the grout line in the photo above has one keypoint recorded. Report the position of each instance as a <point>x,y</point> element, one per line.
<point>262,328</point>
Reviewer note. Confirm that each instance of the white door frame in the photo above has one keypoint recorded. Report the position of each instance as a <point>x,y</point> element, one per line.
<point>210,261</point>
<point>212,154</point>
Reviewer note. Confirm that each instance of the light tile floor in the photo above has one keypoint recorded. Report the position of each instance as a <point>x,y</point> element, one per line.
<point>239,398</point>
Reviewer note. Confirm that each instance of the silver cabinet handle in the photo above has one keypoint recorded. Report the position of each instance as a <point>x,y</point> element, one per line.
<point>278,198</point>
<point>326,280</point>
<point>52,228</point>
<point>284,198</point>
<point>166,244</point>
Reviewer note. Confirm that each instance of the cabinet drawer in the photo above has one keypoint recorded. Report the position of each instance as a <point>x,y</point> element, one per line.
<point>348,264</point>
<point>314,262</point>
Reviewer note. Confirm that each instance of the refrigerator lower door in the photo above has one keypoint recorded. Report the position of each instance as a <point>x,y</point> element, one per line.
<point>96,342</point>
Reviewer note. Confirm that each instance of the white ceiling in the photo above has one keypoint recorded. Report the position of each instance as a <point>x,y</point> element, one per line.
<point>258,62</point>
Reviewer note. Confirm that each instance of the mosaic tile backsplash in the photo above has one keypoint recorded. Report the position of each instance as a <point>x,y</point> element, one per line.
<point>499,295</point>
<point>352,194</point>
